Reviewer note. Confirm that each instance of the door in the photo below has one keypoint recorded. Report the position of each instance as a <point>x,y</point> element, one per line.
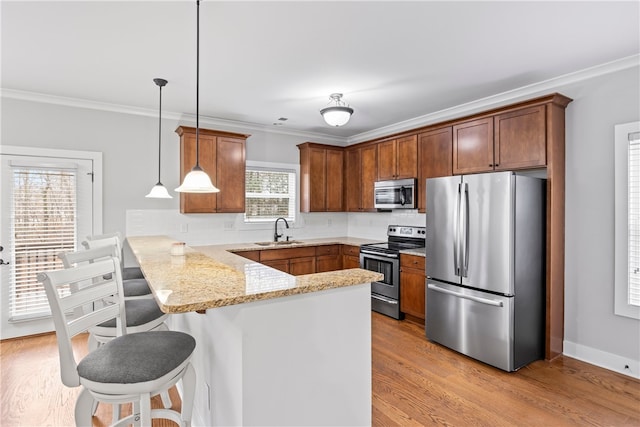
<point>488,209</point>
<point>474,323</point>
<point>442,228</point>
<point>47,207</point>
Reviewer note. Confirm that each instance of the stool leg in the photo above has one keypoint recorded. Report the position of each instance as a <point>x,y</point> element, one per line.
<point>83,410</point>
<point>145,410</point>
<point>166,399</point>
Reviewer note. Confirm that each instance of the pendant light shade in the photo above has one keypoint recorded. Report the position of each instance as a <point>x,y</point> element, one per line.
<point>337,114</point>
<point>197,181</point>
<point>159,191</point>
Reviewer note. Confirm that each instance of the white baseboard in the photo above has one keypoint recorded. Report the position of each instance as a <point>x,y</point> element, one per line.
<point>603,359</point>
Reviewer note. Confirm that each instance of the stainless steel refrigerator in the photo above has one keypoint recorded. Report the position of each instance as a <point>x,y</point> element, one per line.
<point>485,266</point>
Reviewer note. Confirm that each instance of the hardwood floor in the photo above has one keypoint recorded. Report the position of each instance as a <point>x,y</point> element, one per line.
<point>415,383</point>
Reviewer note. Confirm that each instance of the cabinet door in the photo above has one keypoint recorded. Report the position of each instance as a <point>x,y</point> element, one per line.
<point>349,261</point>
<point>299,266</point>
<point>412,292</point>
<point>520,139</point>
<point>317,179</point>
<point>230,175</point>
<point>198,203</point>
<point>328,263</point>
<point>279,264</point>
<point>435,154</point>
<point>334,181</point>
<point>386,160</point>
<point>407,157</point>
<point>369,173</point>
<point>353,197</point>
<point>473,146</point>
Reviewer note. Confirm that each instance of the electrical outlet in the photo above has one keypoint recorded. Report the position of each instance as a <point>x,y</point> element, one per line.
<point>184,228</point>
<point>329,222</point>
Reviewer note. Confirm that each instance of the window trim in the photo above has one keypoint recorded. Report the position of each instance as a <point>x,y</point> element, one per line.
<point>263,225</point>
<point>621,218</point>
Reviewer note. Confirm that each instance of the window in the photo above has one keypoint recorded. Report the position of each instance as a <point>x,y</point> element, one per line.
<point>270,194</point>
<point>44,223</point>
<point>627,220</point>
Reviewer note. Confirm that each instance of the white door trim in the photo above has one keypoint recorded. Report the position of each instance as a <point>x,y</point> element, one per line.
<point>95,156</point>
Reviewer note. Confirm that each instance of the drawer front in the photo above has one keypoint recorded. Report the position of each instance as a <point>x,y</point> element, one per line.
<point>412,261</point>
<point>328,250</point>
<point>252,255</point>
<point>288,253</point>
<point>351,250</point>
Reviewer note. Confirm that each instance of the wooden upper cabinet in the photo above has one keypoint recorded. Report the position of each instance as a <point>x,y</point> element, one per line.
<point>369,171</point>
<point>222,157</point>
<point>473,146</point>
<point>321,178</point>
<point>230,175</point>
<point>520,139</point>
<point>434,157</point>
<point>398,158</point>
<point>361,172</point>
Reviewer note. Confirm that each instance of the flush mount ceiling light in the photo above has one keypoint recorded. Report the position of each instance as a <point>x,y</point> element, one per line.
<point>197,181</point>
<point>159,191</point>
<point>337,114</point>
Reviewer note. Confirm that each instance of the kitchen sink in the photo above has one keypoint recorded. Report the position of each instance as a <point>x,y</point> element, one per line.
<point>283,243</point>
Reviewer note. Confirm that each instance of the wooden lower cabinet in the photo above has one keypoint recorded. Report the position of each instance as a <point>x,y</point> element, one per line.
<point>278,264</point>
<point>304,265</point>
<point>350,256</point>
<point>412,286</point>
<point>328,258</point>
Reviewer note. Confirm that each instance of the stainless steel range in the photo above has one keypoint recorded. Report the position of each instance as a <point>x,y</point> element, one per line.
<point>385,258</point>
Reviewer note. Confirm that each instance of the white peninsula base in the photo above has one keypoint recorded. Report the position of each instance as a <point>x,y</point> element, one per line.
<point>298,360</point>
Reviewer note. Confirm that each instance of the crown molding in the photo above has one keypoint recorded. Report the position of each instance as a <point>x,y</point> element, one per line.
<point>493,101</point>
<point>180,117</point>
<point>498,100</point>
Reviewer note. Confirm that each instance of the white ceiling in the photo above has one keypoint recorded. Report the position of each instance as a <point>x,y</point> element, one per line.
<point>260,61</point>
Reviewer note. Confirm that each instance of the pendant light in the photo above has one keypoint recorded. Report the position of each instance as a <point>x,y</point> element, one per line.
<point>197,181</point>
<point>159,191</point>
<point>337,114</point>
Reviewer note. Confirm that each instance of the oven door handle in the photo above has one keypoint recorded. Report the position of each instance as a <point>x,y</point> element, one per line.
<point>384,299</point>
<point>362,251</point>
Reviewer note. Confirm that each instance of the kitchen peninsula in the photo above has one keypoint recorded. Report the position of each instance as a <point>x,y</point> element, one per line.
<point>272,349</point>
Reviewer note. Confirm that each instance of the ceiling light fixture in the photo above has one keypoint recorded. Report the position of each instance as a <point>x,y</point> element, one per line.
<point>338,114</point>
<point>159,191</point>
<point>197,181</point>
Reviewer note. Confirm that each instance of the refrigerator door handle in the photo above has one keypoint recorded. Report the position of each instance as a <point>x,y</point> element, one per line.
<point>469,297</point>
<point>456,235</point>
<point>465,257</point>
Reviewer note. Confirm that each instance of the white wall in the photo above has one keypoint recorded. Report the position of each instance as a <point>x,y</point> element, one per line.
<point>592,331</point>
<point>129,144</point>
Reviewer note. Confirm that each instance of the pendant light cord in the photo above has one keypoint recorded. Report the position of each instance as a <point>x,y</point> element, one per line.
<point>160,136</point>
<point>198,84</point>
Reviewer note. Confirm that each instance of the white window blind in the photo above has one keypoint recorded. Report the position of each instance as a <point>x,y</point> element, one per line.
<point>270,194</point>
<point>44,222</point>
<point>634,219</point>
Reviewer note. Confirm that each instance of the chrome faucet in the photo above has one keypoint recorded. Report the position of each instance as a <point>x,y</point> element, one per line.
<point>276,236</point>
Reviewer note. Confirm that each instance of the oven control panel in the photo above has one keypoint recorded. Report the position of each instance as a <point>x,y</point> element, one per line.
<point>407,231</point>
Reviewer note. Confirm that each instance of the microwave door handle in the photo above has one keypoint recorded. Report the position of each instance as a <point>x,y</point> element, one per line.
<point>403,196</point>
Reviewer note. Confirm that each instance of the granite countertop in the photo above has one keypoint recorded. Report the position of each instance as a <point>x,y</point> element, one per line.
<point>212,276</point>
<point>418,252</point>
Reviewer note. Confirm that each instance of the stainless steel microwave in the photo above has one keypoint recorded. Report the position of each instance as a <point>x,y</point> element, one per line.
<point>395,194</point>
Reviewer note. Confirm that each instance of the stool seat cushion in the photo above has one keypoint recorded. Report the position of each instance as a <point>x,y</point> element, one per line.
<point>138,312</point>
<point>136,358</point>
<point>135,287</point>
<point>132,273</point>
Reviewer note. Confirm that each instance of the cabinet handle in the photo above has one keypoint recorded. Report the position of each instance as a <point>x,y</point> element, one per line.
<point>490,165</point>
<point>496,165</point>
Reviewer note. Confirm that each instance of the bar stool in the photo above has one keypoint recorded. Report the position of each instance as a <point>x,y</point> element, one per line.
<point>133,281</point>
<point>131,367</point>
<point>142,314</point>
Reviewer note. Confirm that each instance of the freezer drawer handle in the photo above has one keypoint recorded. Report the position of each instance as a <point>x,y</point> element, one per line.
<point>387,300</point>
<point>469,297</point>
